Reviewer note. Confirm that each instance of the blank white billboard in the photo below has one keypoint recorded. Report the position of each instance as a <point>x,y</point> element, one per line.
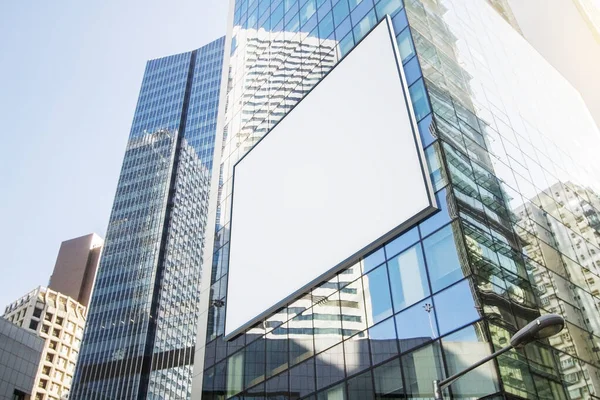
<point>339,175</point>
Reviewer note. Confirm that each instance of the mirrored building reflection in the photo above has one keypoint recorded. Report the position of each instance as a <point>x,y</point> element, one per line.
<point>500,129</point>
<point>140,336</point>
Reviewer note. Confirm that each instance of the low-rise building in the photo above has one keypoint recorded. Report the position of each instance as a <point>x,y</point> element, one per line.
<point>59,321</point>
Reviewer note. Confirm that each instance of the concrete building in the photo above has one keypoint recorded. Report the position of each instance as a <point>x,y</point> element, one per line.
<point>20,354</point>
<point>75,269</point>
<point>59,321</point>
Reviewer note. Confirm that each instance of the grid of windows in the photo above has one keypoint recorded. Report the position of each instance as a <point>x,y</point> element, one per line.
<point>509,145</point>
<point>140,336</point>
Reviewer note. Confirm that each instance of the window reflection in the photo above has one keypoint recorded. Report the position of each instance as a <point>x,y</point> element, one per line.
<point>416,325</point>
<point>384,344</point>
<point>408,278</point>
<point>402,242</point>
<point>302,379</point>
<point>464,348</point>
<point>361,387</point>
<point>388,384</point>
<point>456,307</point>
<point>442,259</point>
<point>378,301</point>
<point>330,366</point>
<point>421,368</point>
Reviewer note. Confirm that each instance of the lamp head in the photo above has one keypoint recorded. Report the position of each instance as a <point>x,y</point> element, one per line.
<point>540,328</point>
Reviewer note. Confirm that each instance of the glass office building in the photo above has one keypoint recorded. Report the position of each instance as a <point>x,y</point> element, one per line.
<point>511,151</point>
<point>140,333</point>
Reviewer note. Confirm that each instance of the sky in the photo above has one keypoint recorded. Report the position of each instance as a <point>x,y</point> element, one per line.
<point>70,73</point>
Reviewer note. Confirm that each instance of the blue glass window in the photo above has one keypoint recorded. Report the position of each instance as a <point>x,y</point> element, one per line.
<point>402,242</point>
<point>377,295</point>
<point>383,340</point>
<point>346,44</point>
<point>307,11</point>
<point>412,70</point>
<point>442,259</point>
<point>326,26</point>
<point>388,7</point>
<point>365,25</point>
<point>373,260</point>
<point>455,307</point>
<point>416,325</point>
<point>408,278</point>
<point>405,45</point>
<point>419,99</point>
<point>340,11</point>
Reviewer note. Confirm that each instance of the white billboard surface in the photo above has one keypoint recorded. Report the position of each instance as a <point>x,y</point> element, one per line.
<point>341,173</point>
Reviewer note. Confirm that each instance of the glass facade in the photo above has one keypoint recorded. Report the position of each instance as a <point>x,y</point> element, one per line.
<point>141,328</point>
<point>510,148</point>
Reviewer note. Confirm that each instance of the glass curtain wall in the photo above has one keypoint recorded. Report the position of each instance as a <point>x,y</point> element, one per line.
<point>510,148</point>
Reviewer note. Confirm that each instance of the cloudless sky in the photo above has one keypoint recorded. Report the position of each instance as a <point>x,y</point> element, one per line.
<point>70,72</point>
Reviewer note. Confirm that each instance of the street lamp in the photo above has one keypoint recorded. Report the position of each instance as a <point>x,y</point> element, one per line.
<point>540,328</point>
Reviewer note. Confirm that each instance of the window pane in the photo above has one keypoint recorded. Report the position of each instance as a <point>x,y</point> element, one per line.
<point>330,366</point>
<point>277,351</point>
<point>416,325</point>
<point>361,387</point>
<point>356,351</point>
<point>301,337</point>
<point>335,393</point>
<point>419,99</point>
<point>277,387</point>
<point>408,278</point>
<point>421,368</point>
<point>388,381</point>
<point>388,7</point>
<point>235,373</point>
<point>442,259</point>
<point>373,260</point>
<point>455,307</point>
<point>365,25</point>
<point>464,348</point>
<point>402,242</point>
<point>377,295</point>
<point>302,379</point>
<point>255,363</point>
<point>405,45</point>
<point>383,341</point>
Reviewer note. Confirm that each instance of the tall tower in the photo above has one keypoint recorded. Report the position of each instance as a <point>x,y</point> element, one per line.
<point>140,333</point>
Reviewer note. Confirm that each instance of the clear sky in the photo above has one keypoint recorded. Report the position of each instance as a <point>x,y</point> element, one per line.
<point>70,72</point>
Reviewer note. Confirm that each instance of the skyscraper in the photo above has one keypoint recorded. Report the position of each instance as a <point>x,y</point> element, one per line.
<point>140,334</point>
<point>498,126</point>
<point>76,265</point>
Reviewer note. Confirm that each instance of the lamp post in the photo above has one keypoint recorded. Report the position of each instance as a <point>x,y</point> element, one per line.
<point>540,328</point>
